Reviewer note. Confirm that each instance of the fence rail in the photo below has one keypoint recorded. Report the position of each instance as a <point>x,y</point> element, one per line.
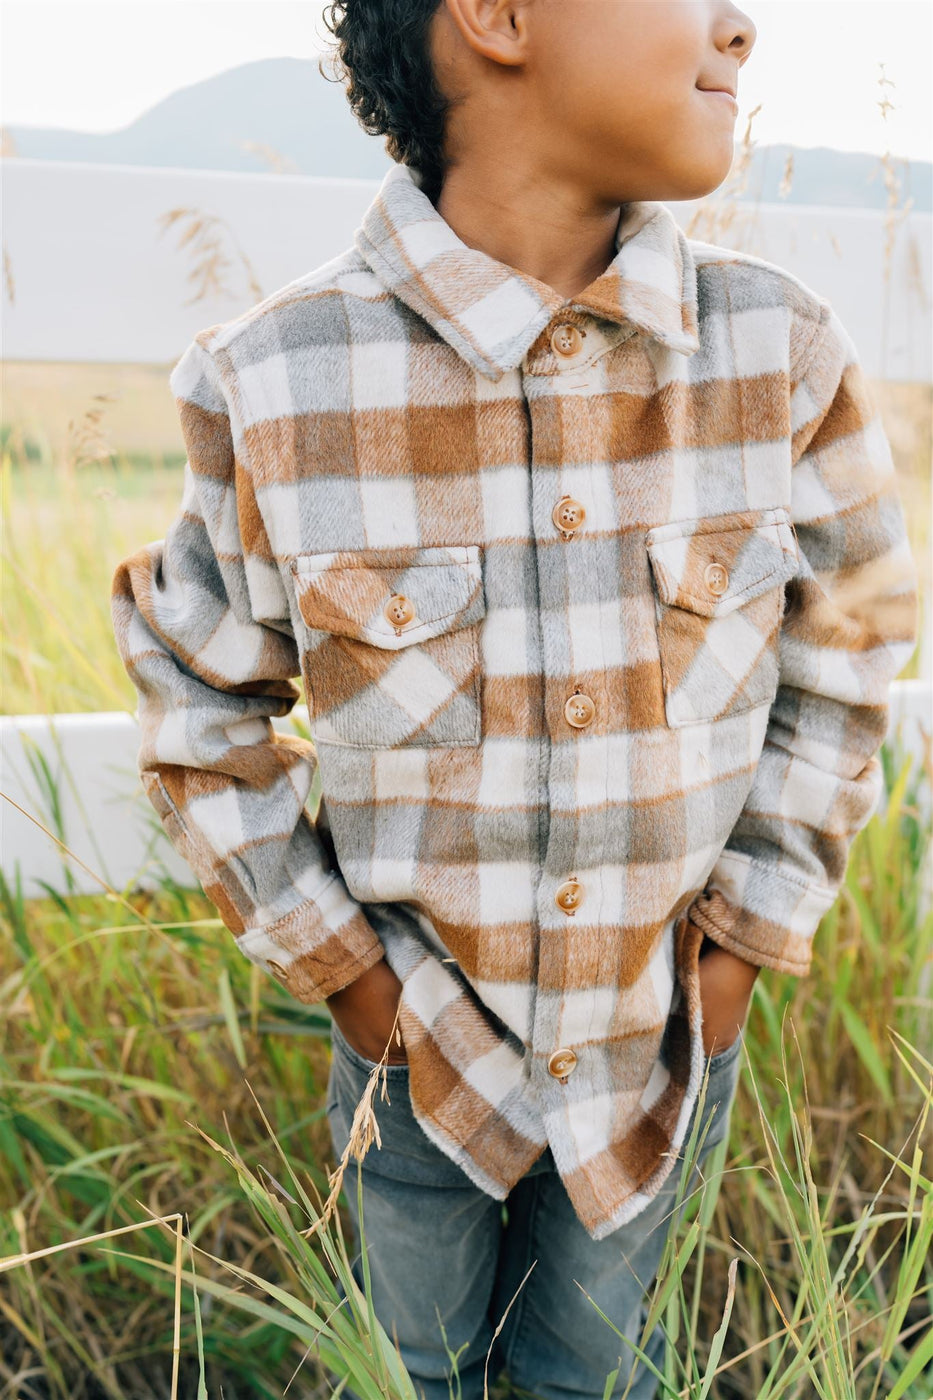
<point>100,271</point>
<point>77,774</point>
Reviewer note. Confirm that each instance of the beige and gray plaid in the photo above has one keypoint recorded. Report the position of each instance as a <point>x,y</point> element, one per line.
<point>596,627</point>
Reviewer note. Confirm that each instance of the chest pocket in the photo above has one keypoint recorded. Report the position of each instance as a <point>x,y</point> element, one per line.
<point>393,644</point>
<point>719,604</point>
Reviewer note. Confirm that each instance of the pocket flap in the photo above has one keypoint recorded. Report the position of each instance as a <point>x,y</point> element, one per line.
<point>714,565</point>
<point>346,592</point>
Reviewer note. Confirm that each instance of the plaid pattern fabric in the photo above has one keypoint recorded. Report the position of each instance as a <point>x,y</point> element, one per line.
<point>596,601</point>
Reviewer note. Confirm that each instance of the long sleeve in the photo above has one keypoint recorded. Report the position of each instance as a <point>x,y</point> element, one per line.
<point>202,625</point>
<point>849,627</point>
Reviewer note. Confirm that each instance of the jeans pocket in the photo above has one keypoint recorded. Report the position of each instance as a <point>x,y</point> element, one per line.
<point>720,1059</point>
<point>721,1084</point>
<point>361,1063</point>
<point>332,1099</point>
<point>407,1153</point>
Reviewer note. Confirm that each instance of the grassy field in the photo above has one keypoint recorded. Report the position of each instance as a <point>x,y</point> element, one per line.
<point>150,1073</point>
<point>145,1065</point>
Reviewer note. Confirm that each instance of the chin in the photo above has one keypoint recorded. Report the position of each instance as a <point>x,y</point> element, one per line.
<point>698,187</point>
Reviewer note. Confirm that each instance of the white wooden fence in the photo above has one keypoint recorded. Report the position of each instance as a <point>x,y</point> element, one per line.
<point>96,270</point>
<point>98,276</point>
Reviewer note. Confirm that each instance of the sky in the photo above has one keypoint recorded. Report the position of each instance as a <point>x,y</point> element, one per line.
<point>95,65</point>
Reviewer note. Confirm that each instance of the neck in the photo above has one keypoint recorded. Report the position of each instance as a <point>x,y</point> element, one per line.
<point>545,230</point>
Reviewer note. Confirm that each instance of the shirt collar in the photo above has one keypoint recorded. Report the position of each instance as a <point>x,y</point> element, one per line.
<point>492,313</point>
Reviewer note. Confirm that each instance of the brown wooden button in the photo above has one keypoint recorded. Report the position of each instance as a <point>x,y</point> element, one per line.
<point>579,709</point>
<point>568,515</point>
<point>562,1063</point>
<point>399,610</point>
<point>566,340</point>
<point>717,578</point>
<point>569,895</point>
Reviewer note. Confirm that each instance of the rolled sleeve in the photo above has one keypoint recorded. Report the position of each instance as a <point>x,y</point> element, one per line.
<point>202,624</point>
<point>850,625</point>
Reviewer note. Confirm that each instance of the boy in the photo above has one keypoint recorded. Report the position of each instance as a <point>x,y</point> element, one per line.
<point>586,541</point>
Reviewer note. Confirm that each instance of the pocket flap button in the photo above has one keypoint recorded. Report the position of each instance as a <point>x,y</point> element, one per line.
<point>399,610</point>
<point>717,578</point>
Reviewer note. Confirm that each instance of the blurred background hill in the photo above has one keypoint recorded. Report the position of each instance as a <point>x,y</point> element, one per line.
<point>283,116</point>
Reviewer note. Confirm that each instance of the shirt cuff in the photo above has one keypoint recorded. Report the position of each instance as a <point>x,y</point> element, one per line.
<point>765,917</point>
<point>318,948</point>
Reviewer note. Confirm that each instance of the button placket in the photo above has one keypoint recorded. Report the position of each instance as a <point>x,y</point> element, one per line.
<point>571,354</point>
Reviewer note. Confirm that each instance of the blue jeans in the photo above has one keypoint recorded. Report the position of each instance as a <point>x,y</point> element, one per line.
<point>434,1237</point>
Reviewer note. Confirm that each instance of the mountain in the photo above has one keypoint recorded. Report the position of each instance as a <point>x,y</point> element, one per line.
<point>281,115</point>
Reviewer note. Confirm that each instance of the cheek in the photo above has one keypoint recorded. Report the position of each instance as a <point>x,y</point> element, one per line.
<point>620,87</point>
<point>589,44</point>
<point>622,74</point>
<point>648,51</point>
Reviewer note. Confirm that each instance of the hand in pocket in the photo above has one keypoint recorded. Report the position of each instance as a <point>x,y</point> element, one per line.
<point>726,984</point>
<point>365,1012</point>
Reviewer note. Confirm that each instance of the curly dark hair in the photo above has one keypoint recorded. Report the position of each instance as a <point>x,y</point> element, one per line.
<point>382,54</point>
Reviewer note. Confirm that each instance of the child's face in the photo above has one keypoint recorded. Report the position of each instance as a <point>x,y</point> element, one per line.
<point>610,90</point>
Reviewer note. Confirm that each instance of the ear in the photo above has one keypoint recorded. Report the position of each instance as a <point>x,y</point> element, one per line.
<point>495,29</point>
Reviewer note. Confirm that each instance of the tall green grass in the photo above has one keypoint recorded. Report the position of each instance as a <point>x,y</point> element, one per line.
<point>149,1072</point>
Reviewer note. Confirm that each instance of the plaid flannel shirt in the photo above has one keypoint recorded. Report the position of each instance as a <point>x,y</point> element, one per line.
<point>596,601</point>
